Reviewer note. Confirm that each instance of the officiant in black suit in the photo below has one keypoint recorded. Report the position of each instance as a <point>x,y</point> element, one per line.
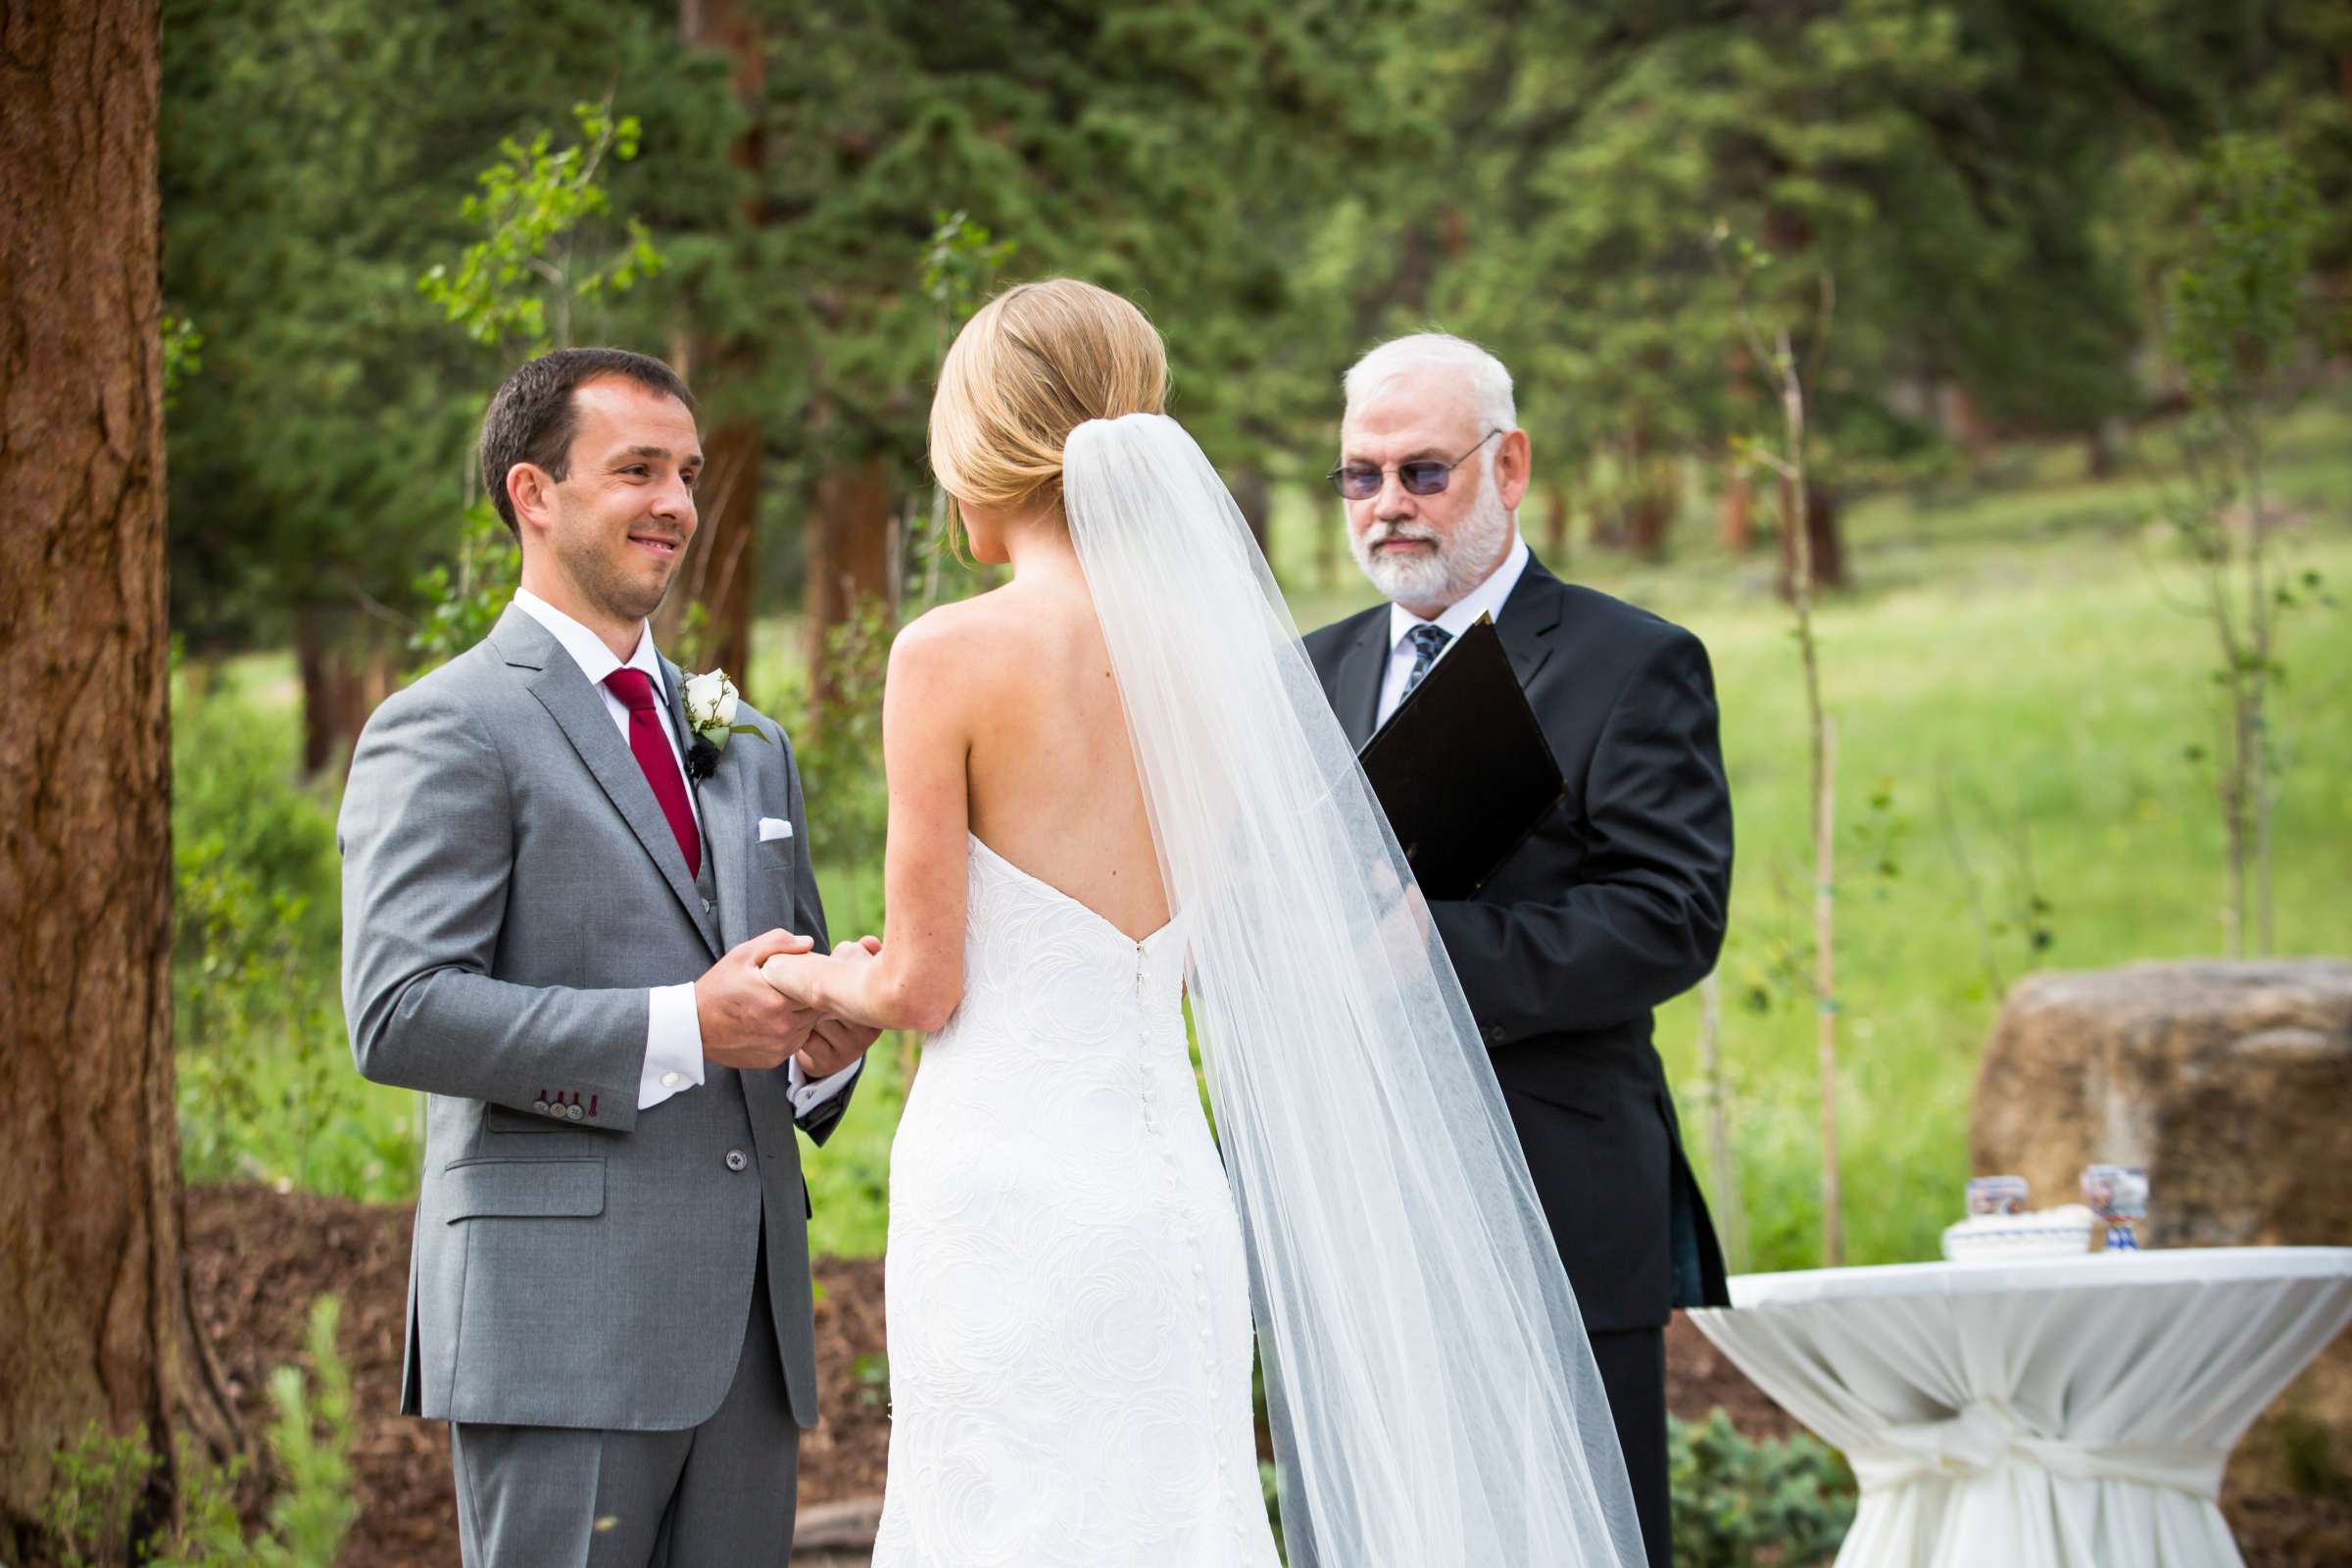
<point>1615,901</point>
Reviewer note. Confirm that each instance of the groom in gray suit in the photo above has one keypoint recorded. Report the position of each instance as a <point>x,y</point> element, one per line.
<point>554,931</point>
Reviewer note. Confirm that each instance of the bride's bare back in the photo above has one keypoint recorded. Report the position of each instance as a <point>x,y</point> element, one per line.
<point>1001,719</point>
<point>1051,775</point>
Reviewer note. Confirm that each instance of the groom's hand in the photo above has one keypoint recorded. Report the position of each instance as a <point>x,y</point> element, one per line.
<point>746,1021</point>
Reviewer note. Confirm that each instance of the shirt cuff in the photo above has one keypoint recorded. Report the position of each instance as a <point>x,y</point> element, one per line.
<point>806,1096</point>
<point>673,1045</point>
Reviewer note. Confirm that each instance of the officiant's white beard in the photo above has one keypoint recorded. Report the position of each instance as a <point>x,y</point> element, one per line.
<point>1459,562</point>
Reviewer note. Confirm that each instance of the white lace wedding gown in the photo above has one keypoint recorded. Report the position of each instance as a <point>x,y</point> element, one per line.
<point>1069,1311</point>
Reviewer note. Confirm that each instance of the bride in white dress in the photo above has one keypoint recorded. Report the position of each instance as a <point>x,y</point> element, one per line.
<point>1109,779</point>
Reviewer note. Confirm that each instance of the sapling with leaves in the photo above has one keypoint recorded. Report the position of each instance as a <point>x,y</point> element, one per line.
<point>2238,325</point>
<point>1742,265</point>
<point>532,206</point>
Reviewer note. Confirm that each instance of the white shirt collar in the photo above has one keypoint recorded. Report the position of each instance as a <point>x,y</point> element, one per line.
<point>1486,599</point>
<point>586,648</point>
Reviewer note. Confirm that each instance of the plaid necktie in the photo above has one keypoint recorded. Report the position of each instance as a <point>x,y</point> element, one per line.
<point>1427,642</point>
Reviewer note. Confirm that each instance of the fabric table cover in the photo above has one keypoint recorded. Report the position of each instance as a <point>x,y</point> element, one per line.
<point>2069,1412</point>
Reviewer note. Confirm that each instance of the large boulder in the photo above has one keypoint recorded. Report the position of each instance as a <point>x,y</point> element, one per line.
<point>2232,1082</point>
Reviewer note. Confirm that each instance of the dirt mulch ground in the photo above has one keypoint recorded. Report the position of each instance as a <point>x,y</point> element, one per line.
<point>259,1259</point>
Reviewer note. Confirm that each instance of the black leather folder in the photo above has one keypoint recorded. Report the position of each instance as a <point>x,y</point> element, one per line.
<point>1462,768</point>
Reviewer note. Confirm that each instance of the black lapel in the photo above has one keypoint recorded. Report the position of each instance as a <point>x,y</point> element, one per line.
<point>726,834</point>
<point>1530,616</point>
<point>579,711</point>
<point>1356,678</point>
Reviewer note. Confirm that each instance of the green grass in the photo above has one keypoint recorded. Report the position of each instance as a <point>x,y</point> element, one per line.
<point>2015,683</point>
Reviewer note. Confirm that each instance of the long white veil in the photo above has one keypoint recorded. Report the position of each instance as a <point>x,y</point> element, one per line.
<point>1433,1398</point>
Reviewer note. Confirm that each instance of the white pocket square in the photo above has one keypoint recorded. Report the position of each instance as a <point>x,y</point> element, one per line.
<point>773,827</point>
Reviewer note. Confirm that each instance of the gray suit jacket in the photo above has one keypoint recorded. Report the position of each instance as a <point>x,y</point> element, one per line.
<point>511,891</point>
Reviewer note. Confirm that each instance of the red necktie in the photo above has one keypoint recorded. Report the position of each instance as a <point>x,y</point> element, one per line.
<point>658,760</point>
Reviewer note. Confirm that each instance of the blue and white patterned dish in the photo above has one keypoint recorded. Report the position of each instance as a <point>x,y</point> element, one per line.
<point>2063,1232</point>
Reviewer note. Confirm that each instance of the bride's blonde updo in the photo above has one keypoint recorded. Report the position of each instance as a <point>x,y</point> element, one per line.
<point>1033,364</point>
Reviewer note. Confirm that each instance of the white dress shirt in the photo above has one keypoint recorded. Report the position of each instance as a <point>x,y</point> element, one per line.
<point>673,1026</point>
<point>1486,599</point>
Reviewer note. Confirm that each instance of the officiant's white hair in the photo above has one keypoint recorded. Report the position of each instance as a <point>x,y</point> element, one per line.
<point>1489,381</point>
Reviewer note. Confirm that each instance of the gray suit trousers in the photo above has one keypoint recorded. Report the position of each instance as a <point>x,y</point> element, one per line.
<point>719,1493</point>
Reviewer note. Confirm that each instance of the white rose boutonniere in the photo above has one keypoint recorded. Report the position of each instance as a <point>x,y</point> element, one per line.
<point>711,702</point>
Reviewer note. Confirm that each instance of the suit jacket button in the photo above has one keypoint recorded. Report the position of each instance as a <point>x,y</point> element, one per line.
<point>539,1105</point>
<point>737,1159</point>
<point>708,906</point>
<point>574,1113</point>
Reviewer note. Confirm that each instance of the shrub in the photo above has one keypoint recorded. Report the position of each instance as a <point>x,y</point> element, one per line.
<point>1741,1504</point>
<point>91,1513</point>
<point>267,1088</point>
<point>310,1447</point>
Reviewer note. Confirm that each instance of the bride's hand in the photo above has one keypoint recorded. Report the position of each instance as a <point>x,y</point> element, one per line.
<point>794,974</point>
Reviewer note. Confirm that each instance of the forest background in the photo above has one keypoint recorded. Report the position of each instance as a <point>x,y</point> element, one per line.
<point>1971,224</point>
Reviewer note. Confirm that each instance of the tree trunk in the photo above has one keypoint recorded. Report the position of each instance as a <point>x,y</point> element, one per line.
<point>1651,517</point>
<point>1657,487</point>
<point>723,561</point>
<point>1255,497</point>
<point>92,1277</point>
<point>2102,446</point>
<point>1735,510</point>
<point>1828,539</point>
<point>1965,422</point>
<point>343,677</point>
<point>1556,518</point>
<point>849,558</point>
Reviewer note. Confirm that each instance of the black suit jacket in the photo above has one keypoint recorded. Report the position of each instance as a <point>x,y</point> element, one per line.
<point>1613,904</point>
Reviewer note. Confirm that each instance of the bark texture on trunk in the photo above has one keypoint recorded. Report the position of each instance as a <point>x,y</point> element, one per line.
<point>92,1277</point>
<point>723,559</point>
<point>850,559</point>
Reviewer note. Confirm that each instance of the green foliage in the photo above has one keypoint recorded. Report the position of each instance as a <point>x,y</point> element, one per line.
<point>2238,321</point>
<point>183,355</point>
<point>91,1504</point>
<point>961,269</point>
<point>2236,303</point>
<point>267,1090</point>
<point>2306,1451</point>
<point>959,275</point>
<point>1741,1504</point>
<point>91,1511</point>
<point>531,203</point>
<point>872,1374</point>
<point>465,598</point>
<point>838,744</point>
<point>313,158</point>
<point>1924,154</point>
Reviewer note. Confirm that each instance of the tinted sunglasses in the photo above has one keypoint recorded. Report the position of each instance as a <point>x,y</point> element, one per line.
<point>1422,476</point>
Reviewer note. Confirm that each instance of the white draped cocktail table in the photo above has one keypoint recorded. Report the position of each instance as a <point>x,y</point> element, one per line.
<point>2071,1412</point>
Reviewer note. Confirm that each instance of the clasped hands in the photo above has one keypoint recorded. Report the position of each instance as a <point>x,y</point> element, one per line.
<point>748,1021</point>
